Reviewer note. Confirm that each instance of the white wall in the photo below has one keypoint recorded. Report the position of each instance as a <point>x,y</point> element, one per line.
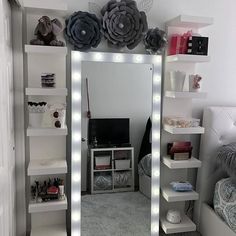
<point>118,91</point>
<point>7,142</point>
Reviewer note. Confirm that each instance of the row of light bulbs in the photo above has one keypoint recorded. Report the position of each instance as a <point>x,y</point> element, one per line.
<point>76,138</point>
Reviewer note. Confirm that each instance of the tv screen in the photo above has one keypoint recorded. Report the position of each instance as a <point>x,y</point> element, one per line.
<point>113,131</point>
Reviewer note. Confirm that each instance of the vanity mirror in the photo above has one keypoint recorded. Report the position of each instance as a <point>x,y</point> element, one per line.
<point>124,91</point>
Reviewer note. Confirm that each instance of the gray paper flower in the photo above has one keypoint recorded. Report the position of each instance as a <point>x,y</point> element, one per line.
<point>123,24</point>
<point>155,41</point>
<point>83,30</point>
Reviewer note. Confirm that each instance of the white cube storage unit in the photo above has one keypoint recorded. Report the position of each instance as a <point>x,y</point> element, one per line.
<point>116,164</point>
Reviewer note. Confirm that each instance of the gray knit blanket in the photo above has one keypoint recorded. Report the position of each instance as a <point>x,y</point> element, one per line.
<point>226,159</point>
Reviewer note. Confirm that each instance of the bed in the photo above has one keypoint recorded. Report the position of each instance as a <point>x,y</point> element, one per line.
<point>220,129</point>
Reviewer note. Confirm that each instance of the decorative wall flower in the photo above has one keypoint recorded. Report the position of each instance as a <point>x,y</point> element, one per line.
<point>123,24</point>
<point>155,41</point>
<point>83,30</point>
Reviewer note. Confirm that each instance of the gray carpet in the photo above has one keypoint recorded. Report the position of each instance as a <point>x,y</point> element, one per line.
<point>116,214</point>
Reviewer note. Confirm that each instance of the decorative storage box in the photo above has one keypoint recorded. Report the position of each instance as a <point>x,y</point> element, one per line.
<point>122,179</point>
<point>48,80</point>
<point>122,164</point>
<point>198,45</point>
<point>181,122</point>
<point>36,113</point>
<point>102,162</point>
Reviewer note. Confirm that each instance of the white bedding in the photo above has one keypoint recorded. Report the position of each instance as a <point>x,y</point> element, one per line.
<point>225,202</point>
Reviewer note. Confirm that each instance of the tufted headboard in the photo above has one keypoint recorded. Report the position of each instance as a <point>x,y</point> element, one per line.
<point>220,129</point>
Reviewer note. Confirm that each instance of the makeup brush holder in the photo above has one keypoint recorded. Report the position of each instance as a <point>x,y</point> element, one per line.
<point>177,79</point>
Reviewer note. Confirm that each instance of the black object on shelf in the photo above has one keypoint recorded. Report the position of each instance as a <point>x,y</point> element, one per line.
<point>198,45</point>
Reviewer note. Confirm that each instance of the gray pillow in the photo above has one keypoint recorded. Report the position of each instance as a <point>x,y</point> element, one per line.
<point>226,159</point>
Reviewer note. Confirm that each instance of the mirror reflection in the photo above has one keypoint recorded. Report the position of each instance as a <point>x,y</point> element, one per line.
<point>116,147</point>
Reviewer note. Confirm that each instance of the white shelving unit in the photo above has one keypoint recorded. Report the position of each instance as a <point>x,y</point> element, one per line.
<point>180,104</point>
<point>47,167</point>
<point>185,58</point>
<point>185,95</point>
<point>172,196</point>
<point>129,155</point>
<point>46,132</point>
<point>46,91</point>
<point>191,22</point>
<point>45,50</point>
<point>41,141</point>
<point>192,130</point>
<point>183,164</point>
<point>52,230</point>
<point>57,205</point>
<point>186,225</point>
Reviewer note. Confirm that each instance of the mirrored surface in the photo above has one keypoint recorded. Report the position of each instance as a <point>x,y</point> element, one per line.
<point>116,147</point>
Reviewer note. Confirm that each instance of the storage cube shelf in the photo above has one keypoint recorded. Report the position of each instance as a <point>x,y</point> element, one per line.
<point>52,230</point>
<point>56,205</point>
<point>115,154</point>
<point>185,95</point>
<point>173,196</point>
<point>46,131</point>
<point>186,225</point>
<point>47,167</point>
<point>55,7</point>
<point>46,91</point>
<point>185,21</point>
<point>192,130</point>
<point>172,164</point>
<point>46,50</point>
<point>187,58</point>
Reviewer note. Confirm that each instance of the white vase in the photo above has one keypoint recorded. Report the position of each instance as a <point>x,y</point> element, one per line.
<point>192,87</point>
<point>177,79</point>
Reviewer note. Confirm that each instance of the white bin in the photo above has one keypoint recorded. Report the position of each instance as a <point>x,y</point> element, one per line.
<point>102,161</point>
<point>122,164</point>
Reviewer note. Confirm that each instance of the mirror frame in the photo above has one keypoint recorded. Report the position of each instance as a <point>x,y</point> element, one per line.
<point>76,62</point>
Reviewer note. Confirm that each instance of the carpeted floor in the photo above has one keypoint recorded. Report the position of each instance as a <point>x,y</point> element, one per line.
<point>116,214</point>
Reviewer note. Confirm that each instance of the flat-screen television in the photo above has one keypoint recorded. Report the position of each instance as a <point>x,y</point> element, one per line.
<point>113,131</point>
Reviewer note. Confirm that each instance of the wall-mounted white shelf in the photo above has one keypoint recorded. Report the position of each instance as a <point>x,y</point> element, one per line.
<point>172,196</point>
<point>47,167</point>
<point>46,91</point>
<point>192,130</point>
<point>46,50</point>
<point>195,22</point>
<point>46,131</point>
<point>187,58</point>
<point>52,230</point>
<point>42,7</point>
<point>56,205</point>
<point>185,95</point>
<point>186,225</point>
<point>172,164</point>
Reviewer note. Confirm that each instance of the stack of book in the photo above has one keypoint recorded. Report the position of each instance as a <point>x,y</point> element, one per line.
<point>179,150</point>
